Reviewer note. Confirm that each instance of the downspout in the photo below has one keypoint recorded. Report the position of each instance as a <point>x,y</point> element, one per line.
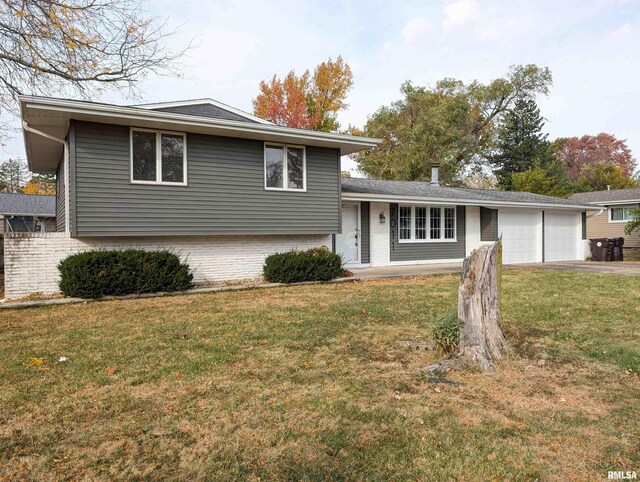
<point>65,160</point>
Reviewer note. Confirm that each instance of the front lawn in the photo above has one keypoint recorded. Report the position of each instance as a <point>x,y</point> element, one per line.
<point>314,382</point>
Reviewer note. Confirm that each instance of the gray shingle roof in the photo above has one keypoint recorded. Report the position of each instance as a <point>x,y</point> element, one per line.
<point>616,195</point>
<point>426,190</point>
<point>27,204</point>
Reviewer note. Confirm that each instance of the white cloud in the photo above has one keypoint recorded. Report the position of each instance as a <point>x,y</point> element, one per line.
<point>459,14</point>
<point>416,29</point>
<point>507,28</point>
<point>622,30</point>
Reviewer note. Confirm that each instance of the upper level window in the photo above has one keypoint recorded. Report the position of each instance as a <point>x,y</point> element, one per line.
<point>423,224</point>
<point>621,213</point>
<point>158,157</point>
<point>285,167</point>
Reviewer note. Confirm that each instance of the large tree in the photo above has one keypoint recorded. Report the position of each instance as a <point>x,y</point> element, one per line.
<point>521,143</point>
<point>588,151</point>
<point>78,47</point>
<point>308,101</point>
<point>44,184</point>
<point>14,174</point>
<point>602,175</point>
<point>454,123</point>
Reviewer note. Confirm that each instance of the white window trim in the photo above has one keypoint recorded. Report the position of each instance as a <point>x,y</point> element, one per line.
<point>158,134</point>
<point>442,239</point>
<point>285,172</point>
<point>629,207</point>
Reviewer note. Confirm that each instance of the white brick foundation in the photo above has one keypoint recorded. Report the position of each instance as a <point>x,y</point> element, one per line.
<point>31,259</point>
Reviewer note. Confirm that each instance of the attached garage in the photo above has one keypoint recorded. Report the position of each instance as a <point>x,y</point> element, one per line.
<point>521,231</point>
<point>418,223</point>
<point>562,235</point>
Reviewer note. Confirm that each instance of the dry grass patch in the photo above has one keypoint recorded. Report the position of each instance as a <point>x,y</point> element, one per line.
<point>310,383</point>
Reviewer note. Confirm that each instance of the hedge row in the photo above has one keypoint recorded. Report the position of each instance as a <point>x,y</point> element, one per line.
<point>94,274</point>
<point>316,264</point>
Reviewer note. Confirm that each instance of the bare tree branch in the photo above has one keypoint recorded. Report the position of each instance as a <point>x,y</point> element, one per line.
<point>79,47</point>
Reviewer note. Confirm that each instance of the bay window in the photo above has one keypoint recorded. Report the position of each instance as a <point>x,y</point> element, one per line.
<point>426,223</point>
<point>285,167</point>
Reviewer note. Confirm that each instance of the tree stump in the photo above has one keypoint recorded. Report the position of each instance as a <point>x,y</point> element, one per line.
<point>481,338</point>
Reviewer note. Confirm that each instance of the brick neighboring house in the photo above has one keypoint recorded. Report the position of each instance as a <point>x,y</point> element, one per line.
<point>615,212</point>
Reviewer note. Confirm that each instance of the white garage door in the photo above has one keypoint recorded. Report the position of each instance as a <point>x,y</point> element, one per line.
<point>561,235</point>
<point>521,235</point>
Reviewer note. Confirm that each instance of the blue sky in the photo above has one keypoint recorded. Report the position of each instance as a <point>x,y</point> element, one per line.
<point>592,47</point>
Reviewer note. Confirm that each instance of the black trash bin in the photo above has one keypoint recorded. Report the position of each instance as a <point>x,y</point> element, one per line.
<point>618,253</point>
<point>598,249</point>
<point>611,243</point>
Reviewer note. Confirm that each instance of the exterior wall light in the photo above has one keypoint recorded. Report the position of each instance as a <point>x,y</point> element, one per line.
<point>382,218</point>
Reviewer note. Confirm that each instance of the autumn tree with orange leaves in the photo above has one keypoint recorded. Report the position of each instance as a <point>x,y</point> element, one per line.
<point>306,101</point>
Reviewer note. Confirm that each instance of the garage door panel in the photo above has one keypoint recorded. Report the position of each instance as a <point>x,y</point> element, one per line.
<point>562,232</point>
<point>521,235</point>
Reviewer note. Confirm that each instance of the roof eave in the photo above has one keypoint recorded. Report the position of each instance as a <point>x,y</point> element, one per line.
<point>136,116</point>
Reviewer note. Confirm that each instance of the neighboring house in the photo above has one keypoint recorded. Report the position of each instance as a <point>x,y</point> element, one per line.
<point>27,213</point>
<point>224,189</point>
<point>615,211</point>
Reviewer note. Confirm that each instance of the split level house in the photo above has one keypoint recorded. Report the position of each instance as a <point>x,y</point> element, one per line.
<point>224,189</point>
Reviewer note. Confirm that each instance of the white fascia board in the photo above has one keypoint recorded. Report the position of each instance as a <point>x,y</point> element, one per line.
<point>185,121</point>
<point>182,103</point>
<point>615,203</point>
<point>460,202</point>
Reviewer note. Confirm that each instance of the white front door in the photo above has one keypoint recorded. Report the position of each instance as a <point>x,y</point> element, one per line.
<point>348,241</point>
<point>521,235</point>
<point>562,232</point>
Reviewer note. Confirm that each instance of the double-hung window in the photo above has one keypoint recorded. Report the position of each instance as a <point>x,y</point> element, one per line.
<point>285,167</point>
<point>621,214</point>
<point>158,157</point>
<point>426,223</point>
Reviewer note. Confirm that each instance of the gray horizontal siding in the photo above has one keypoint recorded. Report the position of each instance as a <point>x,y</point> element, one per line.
<point>488,224</point>
<point>206,110</point>
<point>364,234</point>
<point>60,194</point>
<point>429,250</point>
<point>225,192</point>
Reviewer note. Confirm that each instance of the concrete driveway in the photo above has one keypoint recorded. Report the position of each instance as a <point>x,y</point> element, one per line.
<point>623,268</point>
<point>410,271</point>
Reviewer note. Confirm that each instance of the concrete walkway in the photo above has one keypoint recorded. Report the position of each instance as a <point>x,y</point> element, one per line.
<point>407,271</point>
<point>622,268</point>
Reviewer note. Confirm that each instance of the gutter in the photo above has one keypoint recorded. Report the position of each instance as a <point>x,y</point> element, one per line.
<point>459,202</point>
<point>65,160</point>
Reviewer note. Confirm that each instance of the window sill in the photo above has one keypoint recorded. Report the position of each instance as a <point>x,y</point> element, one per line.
<point>284,189</point>
<point>156,183</point>
<point>619,222</point>
<point>426,241</point>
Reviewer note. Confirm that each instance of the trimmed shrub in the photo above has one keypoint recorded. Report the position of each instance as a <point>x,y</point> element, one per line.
<point>94,274</point>
<point>446,332</point>
<point>316,264</point>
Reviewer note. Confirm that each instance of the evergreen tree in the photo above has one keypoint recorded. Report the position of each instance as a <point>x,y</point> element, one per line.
<point>521,143</point>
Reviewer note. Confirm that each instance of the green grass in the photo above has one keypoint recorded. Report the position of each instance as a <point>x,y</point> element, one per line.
<point>311,383</point>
